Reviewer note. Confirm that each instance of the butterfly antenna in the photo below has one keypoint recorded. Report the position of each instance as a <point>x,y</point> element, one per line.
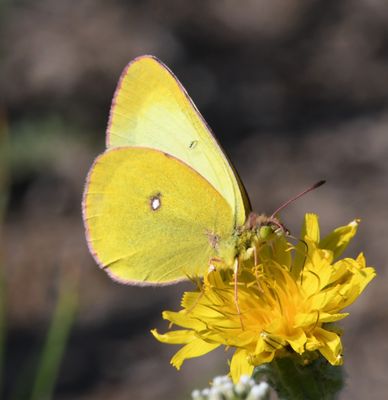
<point>315,186</point>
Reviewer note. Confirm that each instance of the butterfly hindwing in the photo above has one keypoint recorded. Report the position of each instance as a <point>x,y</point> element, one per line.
<point>152,219</point>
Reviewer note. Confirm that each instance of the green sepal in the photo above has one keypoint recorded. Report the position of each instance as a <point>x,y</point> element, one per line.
<point>293,381</point>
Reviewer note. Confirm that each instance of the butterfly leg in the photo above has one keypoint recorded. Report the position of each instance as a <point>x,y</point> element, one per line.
<point>213,263</point>
<point>197,300</point>
<point>212,267</point>
<point>256,261</point>
<point>235,274</point>
<point>305,253</point>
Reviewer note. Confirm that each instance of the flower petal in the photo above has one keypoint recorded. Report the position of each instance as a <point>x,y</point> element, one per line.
<point>338,240</point>
<point>240,365</point>
<point>310,229</point>
<point>297,340</point>
<point>332,347</point>
<point>183,319</point>
<point>181,336</point>
<point>195,348</point>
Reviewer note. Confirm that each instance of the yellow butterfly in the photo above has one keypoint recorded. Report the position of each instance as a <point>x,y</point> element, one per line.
<point>163,201</point>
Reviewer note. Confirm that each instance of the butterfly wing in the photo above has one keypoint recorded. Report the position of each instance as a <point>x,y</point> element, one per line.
<point>152,219</point>
<point>152,109</point>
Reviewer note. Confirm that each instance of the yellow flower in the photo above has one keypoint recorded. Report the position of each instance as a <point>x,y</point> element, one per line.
<point>287,303</point>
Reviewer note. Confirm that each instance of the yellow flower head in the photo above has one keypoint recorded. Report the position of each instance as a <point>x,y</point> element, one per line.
<point>287,302</point>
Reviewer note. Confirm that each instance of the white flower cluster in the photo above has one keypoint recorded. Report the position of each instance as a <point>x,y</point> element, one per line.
<point>222,388</point>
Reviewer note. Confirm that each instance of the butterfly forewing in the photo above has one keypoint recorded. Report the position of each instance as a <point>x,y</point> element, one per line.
<point>152,109</point>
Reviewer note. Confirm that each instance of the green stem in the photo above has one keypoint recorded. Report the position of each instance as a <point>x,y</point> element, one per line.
<point>57,337</point>
<point>4,184</point>
<point>3,326</point>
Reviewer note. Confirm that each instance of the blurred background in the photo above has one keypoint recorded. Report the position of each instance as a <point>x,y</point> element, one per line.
<point>296,91</point>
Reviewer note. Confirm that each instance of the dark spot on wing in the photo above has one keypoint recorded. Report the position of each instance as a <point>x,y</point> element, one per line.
<point>193,144</point>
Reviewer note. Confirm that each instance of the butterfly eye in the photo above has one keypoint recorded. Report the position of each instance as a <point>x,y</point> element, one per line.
<point>156,202</point>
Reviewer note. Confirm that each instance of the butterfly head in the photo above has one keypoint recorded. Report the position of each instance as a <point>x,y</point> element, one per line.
<point>258,230</point>
<point>263,227</point>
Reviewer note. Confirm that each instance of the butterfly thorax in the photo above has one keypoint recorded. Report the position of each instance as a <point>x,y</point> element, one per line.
<point>257,230</point>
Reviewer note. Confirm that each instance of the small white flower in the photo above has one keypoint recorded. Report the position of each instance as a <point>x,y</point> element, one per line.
<point>258,392</point>
<point>220,380</point>
<point>196,395</point>
<point>215,394</point>
<point>244,379</point>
